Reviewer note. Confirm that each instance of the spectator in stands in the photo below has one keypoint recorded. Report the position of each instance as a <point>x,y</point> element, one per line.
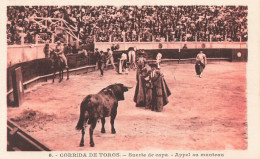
<point>161,23</point>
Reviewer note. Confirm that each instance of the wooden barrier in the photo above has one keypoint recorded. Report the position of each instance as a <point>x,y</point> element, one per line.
<point>239,55</point>
<point>192,53</point>
<point>173,45</point>
<point>29,83</point>
<point>19,140</point>
<point>18,89</point>
<point>23,53</point>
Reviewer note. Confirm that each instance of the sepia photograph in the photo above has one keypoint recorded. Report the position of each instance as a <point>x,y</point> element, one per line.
<point>130,80</point>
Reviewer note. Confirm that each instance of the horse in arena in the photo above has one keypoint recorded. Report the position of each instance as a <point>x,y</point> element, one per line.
<point>98,106</point>
<point>132,58</point>
<point>58,65</point>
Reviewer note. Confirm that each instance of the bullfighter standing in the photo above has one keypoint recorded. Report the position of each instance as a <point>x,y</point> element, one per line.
<point>110,58</point>
<point>201,62</point>
<point>123,60</point>
<point>101,58</point>
<point>141,60</point>
<point>96,54</point>
<point>151,90</point>
<point>158,60</point>
<point>131,56</point>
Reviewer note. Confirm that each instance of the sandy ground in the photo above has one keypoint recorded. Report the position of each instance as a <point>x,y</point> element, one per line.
<point>207,113</point>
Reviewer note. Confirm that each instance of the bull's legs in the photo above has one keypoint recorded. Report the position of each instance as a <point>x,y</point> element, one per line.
<point>103,120</point>
<point>91,129</point>
<point>112,120</point>
<point>84,120</point>
<point>82,138</point>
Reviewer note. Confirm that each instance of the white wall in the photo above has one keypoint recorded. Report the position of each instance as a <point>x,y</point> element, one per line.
<point>22,53</point>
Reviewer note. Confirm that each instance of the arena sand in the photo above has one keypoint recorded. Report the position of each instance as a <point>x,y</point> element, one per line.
<point>208,113</point>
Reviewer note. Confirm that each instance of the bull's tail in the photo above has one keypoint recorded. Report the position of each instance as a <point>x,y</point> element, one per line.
<point>83,114</point>
<point>82,120</point>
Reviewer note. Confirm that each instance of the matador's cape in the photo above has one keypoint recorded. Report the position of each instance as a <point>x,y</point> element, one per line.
<point>144,90</point>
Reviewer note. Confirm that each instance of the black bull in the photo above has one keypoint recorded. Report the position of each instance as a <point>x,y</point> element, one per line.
<point>99,106</point>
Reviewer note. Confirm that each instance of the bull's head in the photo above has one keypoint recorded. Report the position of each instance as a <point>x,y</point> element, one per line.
<point>118,90</point>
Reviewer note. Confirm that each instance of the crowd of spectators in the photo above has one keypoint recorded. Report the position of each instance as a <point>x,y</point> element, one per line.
<point>132,23</point>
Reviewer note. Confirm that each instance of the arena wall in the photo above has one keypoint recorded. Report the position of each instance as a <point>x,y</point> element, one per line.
<point>33,63</point>
<point>172,45</point>
<point>239,55</point>
<point>232,55</point>
<point>23,53</point>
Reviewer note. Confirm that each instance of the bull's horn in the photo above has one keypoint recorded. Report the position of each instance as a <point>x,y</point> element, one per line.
<point>128,87</point>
